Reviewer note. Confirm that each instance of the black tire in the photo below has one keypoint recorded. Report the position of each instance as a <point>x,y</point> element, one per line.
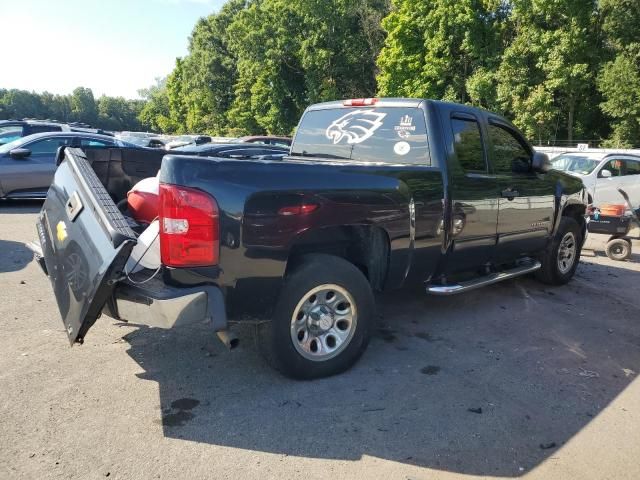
<point>275,338</point>
<point>552,272</point>
<point>618,249</point>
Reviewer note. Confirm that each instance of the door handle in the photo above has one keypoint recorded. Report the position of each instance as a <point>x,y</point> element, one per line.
<point>510,193</point>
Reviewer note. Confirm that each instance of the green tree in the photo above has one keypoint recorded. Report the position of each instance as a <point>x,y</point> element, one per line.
<point>155,114</point>
<point>435,47</point>
<point>209,72</point>
<point>309,51</point>
<point>269,91</point>
<point>57,107</point>
<point>619,78</point>
<point>83,106</point>
<point>118,113</point>
<point>550,64</point>
<point>19,104</point>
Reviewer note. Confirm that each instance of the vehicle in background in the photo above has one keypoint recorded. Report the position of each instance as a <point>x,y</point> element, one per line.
<point>27,164</point>
<point>235,150</point>
<point>266,140</point>
<point>184,140</point>
<point>223,139</point>
<point>603,174</point>
<point>376,194</point>
<point>13,129</point>
<point>621,222</point>
<point>146,141</point>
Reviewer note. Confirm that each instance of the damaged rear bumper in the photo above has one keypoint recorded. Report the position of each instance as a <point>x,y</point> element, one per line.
<point>157,304</point>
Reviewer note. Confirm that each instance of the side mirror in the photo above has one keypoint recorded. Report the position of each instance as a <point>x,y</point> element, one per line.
<point>19,153</point>
<point>540,162</point>
<point>604,173</point>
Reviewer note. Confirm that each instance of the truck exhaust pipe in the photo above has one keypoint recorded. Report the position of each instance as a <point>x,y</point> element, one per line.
<point>229,339</point>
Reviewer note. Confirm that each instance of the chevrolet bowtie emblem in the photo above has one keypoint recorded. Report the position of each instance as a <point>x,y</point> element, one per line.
<point>61,231</point>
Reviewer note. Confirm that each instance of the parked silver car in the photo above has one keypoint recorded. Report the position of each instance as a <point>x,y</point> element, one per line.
<point>602,174</point>
<point>27,164</point>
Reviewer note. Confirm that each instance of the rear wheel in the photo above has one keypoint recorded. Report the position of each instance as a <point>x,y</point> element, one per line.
<point>560,259</point>
<point>618,249</point>
<point>322,321</point>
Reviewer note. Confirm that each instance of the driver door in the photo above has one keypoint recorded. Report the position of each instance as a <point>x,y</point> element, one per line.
<point>32,175</point>
<point>527,202</point>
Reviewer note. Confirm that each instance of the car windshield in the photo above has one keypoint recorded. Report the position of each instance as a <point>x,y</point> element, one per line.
<point>11,145</point>
<point>575,164</point>
<point>10,128</point>
<point>136,140</point>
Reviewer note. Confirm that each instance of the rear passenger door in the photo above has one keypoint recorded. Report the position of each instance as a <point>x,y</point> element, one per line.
<point>526,205</point>
<point>474,194</point>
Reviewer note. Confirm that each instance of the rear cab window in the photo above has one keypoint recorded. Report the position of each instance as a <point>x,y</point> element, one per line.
<point>393,135</point>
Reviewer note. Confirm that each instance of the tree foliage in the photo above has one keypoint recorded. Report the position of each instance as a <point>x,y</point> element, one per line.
<point>111,113</point>
<point>619,78</point>
<point>434,48</point>
<point>560,69</point>
<point>536,61</point>
<point>244,74</point>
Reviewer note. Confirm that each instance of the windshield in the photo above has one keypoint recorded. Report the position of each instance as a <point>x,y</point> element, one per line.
<point>575,164</point>
<point>137,140</point>
<point>11,145</point>
<point>10,133</point>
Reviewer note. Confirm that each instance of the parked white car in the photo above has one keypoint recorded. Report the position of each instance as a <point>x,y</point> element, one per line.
<point>602,174</point>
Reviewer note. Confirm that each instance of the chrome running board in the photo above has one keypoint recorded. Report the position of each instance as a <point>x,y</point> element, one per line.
<point>484,280</point>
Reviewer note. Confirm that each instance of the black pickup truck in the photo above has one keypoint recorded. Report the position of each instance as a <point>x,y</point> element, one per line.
<point>375,194</point>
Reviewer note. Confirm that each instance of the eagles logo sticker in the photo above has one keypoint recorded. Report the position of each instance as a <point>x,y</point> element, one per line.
<point>355,126</point>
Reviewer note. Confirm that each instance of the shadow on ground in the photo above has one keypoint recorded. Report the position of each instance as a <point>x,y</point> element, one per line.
<point>489,383</point>
<point>19,206</point>
<point>15,256</point>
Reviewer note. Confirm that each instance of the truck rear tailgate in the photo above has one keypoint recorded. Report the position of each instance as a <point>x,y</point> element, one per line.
<point>85,243</point>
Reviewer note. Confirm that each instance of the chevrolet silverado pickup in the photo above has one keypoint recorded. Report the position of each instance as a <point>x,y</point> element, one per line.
<point>374,194</point>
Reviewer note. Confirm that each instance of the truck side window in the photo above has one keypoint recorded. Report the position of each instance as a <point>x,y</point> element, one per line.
<point>509,154</point>
<point>468,145</point>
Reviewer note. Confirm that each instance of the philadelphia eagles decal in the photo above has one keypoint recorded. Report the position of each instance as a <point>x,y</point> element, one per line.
<point>355,126</point>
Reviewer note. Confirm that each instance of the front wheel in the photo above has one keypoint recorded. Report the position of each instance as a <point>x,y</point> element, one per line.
<point>560,259</point>
<point>618,249</point>
<point>322,321</point>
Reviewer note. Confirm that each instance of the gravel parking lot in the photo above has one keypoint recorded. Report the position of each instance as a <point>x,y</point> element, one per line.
<point>516,380</point>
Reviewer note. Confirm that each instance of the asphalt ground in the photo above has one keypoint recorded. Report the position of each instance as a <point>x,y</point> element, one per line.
<point>514,380</point>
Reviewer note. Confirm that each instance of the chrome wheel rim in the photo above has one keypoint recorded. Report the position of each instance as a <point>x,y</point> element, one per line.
<point>618,249</point>
<point>567,252</point>
<point>323,322</point>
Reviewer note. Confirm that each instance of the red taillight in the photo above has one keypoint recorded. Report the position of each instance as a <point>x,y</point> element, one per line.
<point>360,102</point>
<point>189,227</point>
<point>303,209</point>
